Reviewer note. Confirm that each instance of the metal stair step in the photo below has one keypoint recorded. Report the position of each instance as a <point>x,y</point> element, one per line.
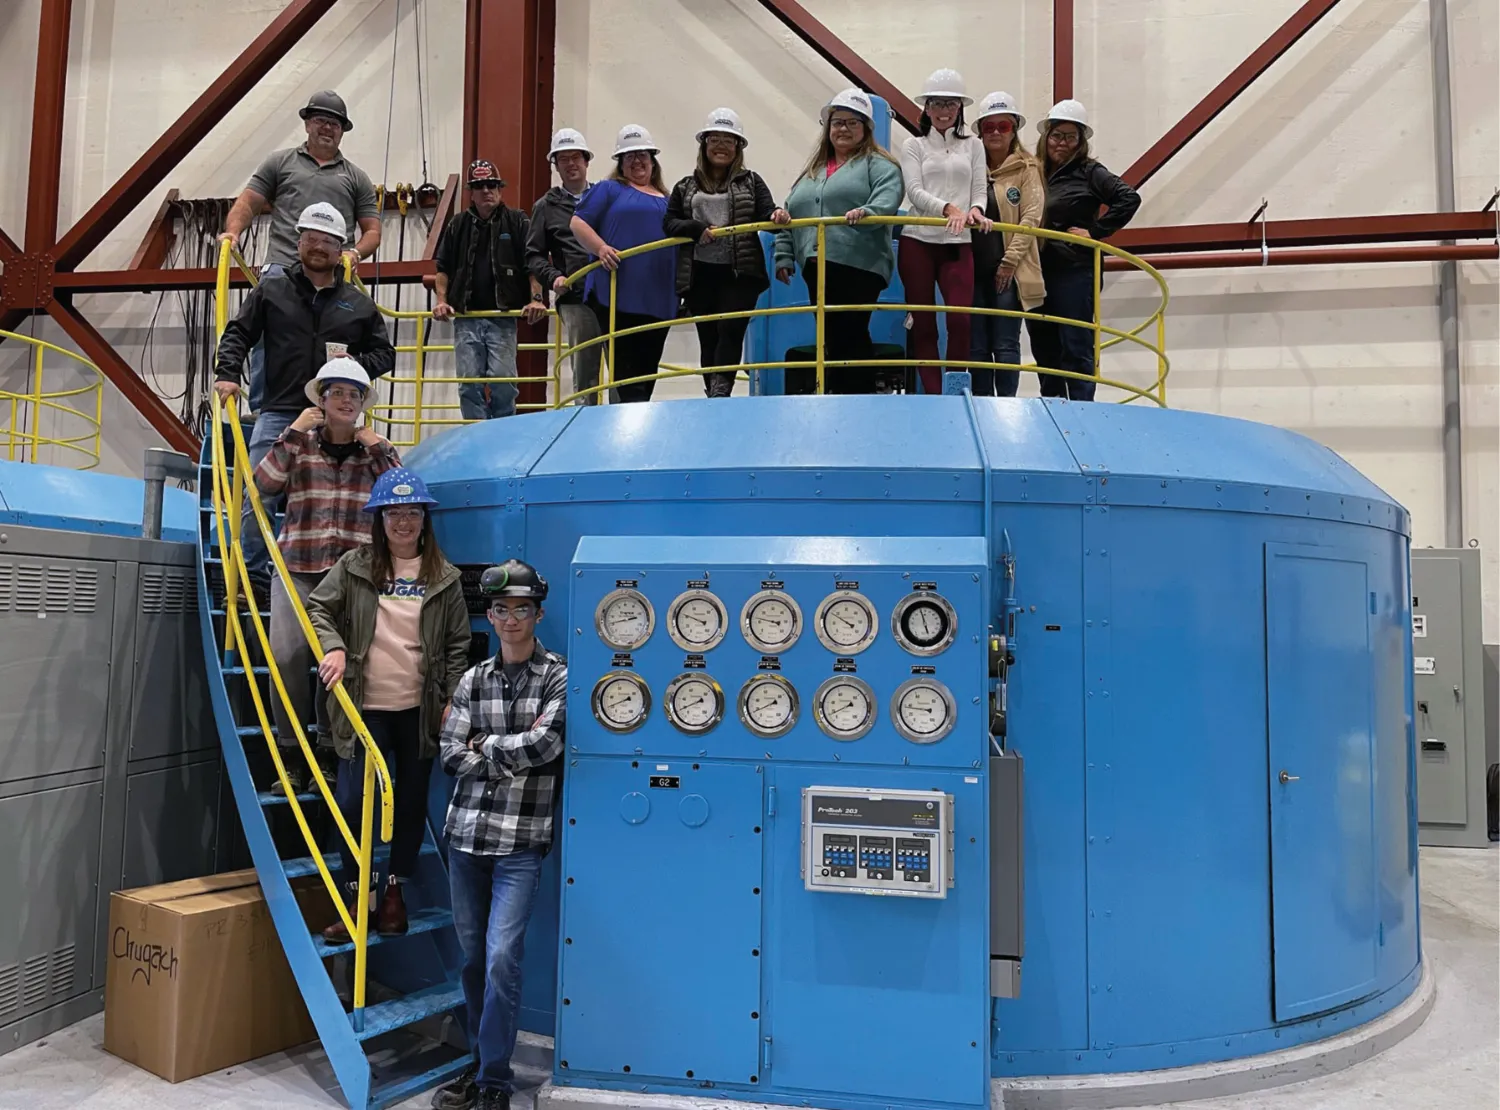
<point>410,1009</point>
<point>389,1094</point>
<point>304,865</point>
<point>423,921</point>
<point>240,671</point>
<point>277,798</point>
<point>265,614</point>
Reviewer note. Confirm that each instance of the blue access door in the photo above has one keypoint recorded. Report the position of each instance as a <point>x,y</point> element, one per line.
<point>1320,772</point>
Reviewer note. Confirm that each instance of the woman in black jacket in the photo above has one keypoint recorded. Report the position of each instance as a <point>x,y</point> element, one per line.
<point>1077,188</point>
<point>726,274</point>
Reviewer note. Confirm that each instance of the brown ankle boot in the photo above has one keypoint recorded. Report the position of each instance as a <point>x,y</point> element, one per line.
<point>390,918</point>
<point>337,933</point>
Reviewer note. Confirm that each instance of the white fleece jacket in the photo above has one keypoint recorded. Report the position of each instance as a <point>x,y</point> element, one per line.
<point>940,170</point>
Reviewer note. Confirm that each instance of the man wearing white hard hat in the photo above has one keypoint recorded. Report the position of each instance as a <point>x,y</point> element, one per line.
<point>1077,188</point>
<point>553,254</point>
<point>944,171</point>
<point>305,315</point>
<point>323,466</point>
<point>623,211</point>
<point>717,274</point>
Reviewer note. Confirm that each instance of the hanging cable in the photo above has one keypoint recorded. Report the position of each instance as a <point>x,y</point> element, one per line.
<point>418,14</point>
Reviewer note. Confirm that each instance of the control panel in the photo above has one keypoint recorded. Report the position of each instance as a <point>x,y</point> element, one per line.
<point>893,842</point>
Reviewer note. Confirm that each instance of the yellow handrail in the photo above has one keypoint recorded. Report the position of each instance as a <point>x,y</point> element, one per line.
<point>34,402</point>
<point>230,485</point>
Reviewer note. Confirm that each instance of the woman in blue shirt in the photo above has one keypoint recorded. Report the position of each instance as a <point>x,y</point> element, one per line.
<point>621,212</point>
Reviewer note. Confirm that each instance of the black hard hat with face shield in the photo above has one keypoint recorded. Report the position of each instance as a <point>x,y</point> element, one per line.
<point>512,578</point>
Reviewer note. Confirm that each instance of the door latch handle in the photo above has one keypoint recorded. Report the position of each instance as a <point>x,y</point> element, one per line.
<point>1285,778</point>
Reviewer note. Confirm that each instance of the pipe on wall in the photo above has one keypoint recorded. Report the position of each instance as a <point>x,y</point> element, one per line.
<point>1442,129</point>
<point>1447,253</point>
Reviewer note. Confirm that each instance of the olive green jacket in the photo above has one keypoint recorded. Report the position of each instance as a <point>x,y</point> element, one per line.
<point>343,609</point>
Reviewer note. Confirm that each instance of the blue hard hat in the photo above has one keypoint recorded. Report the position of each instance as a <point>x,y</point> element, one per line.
<point>398,487</point>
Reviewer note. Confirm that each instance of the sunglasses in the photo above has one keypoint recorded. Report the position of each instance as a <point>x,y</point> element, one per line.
<point>996,127</point>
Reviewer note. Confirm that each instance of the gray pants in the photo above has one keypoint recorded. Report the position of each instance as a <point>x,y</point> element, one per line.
<point>294,659</point>
<point>579,326</point>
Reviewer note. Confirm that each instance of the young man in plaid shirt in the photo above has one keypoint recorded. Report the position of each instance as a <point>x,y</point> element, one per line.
<point>503,741</point>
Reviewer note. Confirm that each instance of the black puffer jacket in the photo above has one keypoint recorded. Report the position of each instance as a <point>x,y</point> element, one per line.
<point>750,202</point>
<point>1075,192</point>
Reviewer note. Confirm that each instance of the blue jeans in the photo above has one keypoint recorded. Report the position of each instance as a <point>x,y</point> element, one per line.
<point>1070,294</point>
<point>267,430</point>
<point>258,352</point>
<point>397,733</point>
<point>995,339</point>
<point>492,900</point>
<point>485,347</point>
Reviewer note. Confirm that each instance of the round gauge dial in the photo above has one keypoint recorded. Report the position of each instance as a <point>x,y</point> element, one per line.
<point>696,621</point>
<point>771,621</point>
<point>624,619</point>
<point>694,702</point>
<point>844,707</point>
<point>846,622</point>
<point>621,701</point>
<point>768,705</point>
<point>924,623</point>
<point>923,710</point>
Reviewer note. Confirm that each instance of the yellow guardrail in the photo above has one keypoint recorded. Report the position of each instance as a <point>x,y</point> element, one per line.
<point>28,408</point>
<point>231,485</point>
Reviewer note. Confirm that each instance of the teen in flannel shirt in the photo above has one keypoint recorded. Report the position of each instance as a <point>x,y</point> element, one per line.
<point>503,742</point>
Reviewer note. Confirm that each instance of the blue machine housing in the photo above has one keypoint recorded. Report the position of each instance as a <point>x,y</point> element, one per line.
<point>1203,604</point>
<point>78,501</point>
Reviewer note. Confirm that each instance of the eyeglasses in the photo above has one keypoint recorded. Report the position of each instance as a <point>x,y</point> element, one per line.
<point>720,140</point>
<point>844,123</point>
<point>337,393</point>
<point>512,612</point>
<point>943,104</point>
<point>996,127</point>
<point>1067,138</point>
<point>407,513</point>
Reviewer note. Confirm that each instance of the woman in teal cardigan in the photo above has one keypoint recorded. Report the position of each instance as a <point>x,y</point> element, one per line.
<point>852,176</point>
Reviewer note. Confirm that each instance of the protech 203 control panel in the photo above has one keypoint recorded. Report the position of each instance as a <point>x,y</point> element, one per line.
<point>895,842</point>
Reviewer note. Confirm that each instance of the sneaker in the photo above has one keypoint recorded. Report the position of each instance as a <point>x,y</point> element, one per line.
<point>296,773</point>
<point>459,1094</point>
<point>492,1099</point>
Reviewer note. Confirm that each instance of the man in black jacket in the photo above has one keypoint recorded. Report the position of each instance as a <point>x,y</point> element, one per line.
<point>481,267</point>
<point>306,315</point>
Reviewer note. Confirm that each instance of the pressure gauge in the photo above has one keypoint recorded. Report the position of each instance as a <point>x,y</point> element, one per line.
<point>846,622</point>
<point>696,620</point>
<point>923,710</point>
<point>694,702</point>
<point>924,623</point>
<point>844,707</point>
<point>621,701</point>
<point>771,621</point>
<point>624,619</point>
<point>768,705</point>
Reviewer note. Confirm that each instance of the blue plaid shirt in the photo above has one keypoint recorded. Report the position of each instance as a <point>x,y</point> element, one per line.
<point>505,747</point>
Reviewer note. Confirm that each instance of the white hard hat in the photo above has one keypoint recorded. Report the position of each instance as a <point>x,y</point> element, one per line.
<point>565,138</point>
<point>634,137</point>
<point>944,84</point>
<point>1067,111</point>
<point>851,100</point>
<point>341,369</point>
<point>725,121</point>
<point>1000,104</point>
<point>323,217</point>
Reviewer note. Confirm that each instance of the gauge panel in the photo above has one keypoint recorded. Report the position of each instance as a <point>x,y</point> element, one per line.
<point>845,707</point>
<point>924,623</point>
<point>694,703</point>
<point>846,622</point>
<point>697,620</point>
<point>923,710</point>
<point>624,619</point>
<point>771,621</point>
<point>769,705</point>
<point>621,701</point>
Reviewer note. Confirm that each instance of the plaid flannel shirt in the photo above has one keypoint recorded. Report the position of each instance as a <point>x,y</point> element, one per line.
<point>325,499</point>
<point>505,747</point>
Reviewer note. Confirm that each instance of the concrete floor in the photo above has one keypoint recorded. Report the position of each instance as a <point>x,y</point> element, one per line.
<point>1451,1063</point>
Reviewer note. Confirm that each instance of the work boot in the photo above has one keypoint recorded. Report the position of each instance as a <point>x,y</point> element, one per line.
<point>460,1094</point>
<point>390,918</point>
<point>296,773</point>
<point>492,1099</point>
<point>337,933</point>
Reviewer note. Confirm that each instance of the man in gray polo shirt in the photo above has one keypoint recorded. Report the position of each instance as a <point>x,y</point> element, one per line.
<point>296,177</point>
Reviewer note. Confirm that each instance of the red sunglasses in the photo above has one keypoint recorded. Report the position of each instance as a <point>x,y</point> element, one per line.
<point>998,126</point>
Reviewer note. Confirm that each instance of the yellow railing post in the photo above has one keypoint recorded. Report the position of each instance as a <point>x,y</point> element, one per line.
<point>609,375</point>
<point>557,348</point>
<point>821,318</point>
<point>421,365</point>
<point>1098,295</point>
<point>362,895</point>
<point>36,405</point>
<point>1161,358</point>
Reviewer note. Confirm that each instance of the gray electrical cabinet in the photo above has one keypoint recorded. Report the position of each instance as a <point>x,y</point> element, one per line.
<point>1448,693</point>
<point>110,770</point>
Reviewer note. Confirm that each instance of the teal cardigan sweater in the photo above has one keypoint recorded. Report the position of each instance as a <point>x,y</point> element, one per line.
<point>872,183</point>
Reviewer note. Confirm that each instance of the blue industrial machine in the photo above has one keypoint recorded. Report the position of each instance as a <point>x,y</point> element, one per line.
<point>1193,630</point>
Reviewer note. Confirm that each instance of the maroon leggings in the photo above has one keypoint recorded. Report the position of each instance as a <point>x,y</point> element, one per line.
<point>949,267</point>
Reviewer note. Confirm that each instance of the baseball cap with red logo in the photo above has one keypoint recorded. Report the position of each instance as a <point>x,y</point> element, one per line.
<point>483,172</point>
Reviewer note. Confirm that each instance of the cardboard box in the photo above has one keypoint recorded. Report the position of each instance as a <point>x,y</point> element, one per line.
<point>196,978</point>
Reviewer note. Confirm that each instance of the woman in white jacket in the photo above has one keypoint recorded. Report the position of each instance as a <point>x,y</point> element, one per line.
<point>945,175</point>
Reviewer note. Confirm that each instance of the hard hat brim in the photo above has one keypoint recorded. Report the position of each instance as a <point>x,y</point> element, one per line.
<point>555,151</point>
<point>314,395</point>
<point>1017,116</point>
<point>1042,125</point>
<point>376,506</point>
<point>962,98</point>
<point>621,151</point>
<point>740,135</point>
<point>344,121</point>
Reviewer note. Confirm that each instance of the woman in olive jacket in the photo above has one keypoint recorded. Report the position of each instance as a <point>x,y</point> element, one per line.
<point>391,617</point>
<point>720,274</point>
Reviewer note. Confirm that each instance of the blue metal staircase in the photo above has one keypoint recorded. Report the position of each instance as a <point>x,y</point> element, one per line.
<point>401,1043</point>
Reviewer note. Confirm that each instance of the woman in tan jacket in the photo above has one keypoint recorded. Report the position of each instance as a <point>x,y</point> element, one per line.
<point>1007,269</point>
